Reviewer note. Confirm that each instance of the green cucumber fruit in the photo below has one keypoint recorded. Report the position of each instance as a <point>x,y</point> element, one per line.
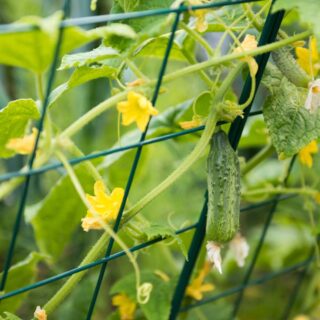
<point>223,190</point>
<point>287,64</point>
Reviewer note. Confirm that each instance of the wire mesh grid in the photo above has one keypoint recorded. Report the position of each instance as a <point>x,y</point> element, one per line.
<point>268,35</point>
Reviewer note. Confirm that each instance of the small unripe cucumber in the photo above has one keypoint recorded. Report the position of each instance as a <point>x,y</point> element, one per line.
<point>223,190</point>
<point>290,68</point>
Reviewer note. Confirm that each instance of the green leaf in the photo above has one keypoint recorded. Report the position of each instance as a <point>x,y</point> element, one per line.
<point>34,49</point>
<point>165,123</point>
<point>309,12</point>
<point>146,25</point>
<point>9,316</point>
<point>13,121</point>
<point>254,134</point>
<point>20,275</point>
<point>290,124</point>
<point>56,218</point>
<point>158,307</point>
<point>128,5</point>
<point>88,57</point>
<point>155,231</point>
<point>83,75</point>
<point>156,47</point>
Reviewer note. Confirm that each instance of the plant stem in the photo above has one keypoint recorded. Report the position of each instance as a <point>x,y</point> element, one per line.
<point>198,38</point>
<point>92,114</point>
<point>263,154</point>
<point>96,250</point>
<point>196,153</point>
<point>105,105</point>
<point>280,190</point>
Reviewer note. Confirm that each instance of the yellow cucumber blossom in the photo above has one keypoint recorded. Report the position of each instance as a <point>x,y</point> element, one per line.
<point>197,287</point>
<point>305,154</point>
<point>136,109</point>
<point>127,307</point>
<point>309,59</point>
<point>240,248</point>
<point>23,145</point>
<point>105,208</point>
<point>200,15</point>
<point>40,314</point>
<point>301,317</point>
<point>249,43</point>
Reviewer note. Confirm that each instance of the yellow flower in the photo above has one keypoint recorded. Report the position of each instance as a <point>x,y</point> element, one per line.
<point>136,109</point>
<point>23,145</point>
<point>196,289</point>
<point>249,43</point>
<point>105,206</point>
<point>126,306</point>
<point>308,59</point>
<point>40,314</point>
<point>301,317</point>
<point>200,15</point>
<point>305,154</point>
<point>317,197</point>
<point>195,122</point>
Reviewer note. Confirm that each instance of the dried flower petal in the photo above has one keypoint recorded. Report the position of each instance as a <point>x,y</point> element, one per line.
<point>240,248</point>
<point>40,314</point>
<point>313,99</point>
<point>213,253</point>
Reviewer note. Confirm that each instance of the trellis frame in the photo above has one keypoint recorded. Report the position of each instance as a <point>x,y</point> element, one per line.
<point>268,35</point>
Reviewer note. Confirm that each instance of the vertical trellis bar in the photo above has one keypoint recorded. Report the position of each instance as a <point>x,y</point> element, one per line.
<point>268,35</point>
<point>134,165</point>
<point>26,185</point>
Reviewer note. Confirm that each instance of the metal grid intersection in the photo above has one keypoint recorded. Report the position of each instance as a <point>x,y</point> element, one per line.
<point>268,36</point>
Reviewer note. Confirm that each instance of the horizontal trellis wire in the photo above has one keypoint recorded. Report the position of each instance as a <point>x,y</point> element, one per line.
<point>268,36</point>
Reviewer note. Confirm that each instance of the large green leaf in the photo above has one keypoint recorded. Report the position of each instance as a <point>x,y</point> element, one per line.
<point>290,124</point>
<point>309,11</point>
<point>88,57</point>
<point>147,25</point>
<point>82,75</point>
<point>55,219</point>
<point>13,121</point>
<point>156,47</point>
<point>158,307</point>
<point>34,49</point>
<point>20,275</point>
<point>9,316</point>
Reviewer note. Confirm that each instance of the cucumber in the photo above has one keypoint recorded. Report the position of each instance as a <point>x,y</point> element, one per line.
<point>223,190</point>
<point>286,63</point>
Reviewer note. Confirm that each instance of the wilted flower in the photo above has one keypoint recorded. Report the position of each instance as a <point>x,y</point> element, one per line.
<point>249,43</point>
<point>127,307</point>
<point>40,314</point>
<point>197,287</point>
<point>313,99</point>
<point>240,248</point>
<point>213,253</point>
<point>195,122</point>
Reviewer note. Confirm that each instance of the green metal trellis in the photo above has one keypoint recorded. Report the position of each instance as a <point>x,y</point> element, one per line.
<point>268,35</point>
